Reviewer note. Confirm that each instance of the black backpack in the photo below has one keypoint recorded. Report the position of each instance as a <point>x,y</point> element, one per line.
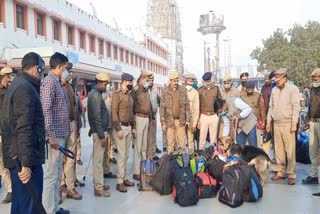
<point>185,190</point>
<point>162,180</point>
<point>254,190</point>
<point>215,168</point>
<point>233,186</point>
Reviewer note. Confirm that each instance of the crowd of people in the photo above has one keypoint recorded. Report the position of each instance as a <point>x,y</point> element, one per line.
<point>40,115</point>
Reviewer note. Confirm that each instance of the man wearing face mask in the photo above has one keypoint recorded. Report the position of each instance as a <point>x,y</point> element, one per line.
<point>255,101</point>
<point>57,123</point>
<point>123,124</point>
<point>313,121</point>
<point>228,90</point>
<point>69,165</point>
<point>23,134</point>
<point>209,120</point>
<point>284,110</point>
<point>244,79</point>
<point>98,120</point>
<point>142,111</point>
<point>175,113</point>
<point>193,96</point>
<point>6,76</point>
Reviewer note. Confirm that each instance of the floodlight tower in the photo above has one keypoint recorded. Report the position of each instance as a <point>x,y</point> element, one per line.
<point>210,24</point>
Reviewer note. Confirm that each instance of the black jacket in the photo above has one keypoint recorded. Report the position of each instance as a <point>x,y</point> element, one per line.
<point>23,129</point>
<point>97,113</point>
<point>2,93</point>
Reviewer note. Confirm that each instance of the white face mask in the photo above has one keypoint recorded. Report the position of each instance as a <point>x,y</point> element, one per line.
<point>316,84</point>
<point>227,86</point>
<point>65,75</point>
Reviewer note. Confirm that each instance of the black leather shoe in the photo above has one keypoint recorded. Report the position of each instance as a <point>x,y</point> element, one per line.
<point>110,175</point>
<point>8,198</point>
<point>310,180</point>
<point>62,211</point>
<point>164,149</point>
<point>155,158</point>
<point>77,183</point>
<point>113,160</point>
<point>115,150</point>
<point>158,151</point>
<point>136,177</point>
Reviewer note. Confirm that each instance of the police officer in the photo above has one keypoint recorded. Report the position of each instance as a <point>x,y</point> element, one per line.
<point>142,111</point>
<point>123,123</point>
<point>209,120</point>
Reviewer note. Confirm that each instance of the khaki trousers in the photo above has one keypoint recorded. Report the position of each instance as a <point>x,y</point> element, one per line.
<point>124,146</point>
<point>111,145</point>
<point>140,149</point>
<point>106,156</point>
<point>69,165</point>
<point>176,137</point>
<point>208,123</point>
<point>164,140</point>
<point>4,172</point>
<point>98,157</point>
<point>265,146</point>
<point>78,148</point>
<point>190,141</point>
<point>285,150</point>
<point>152,139</point>
<point>314,145</point>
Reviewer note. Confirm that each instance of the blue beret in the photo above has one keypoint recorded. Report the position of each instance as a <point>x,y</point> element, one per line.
<point>126,77</point>
<point>245,74</point>
<point>250,84</point>
<point>207,76</point>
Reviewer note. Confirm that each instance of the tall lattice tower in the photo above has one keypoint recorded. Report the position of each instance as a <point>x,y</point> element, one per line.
<point>164,18</point>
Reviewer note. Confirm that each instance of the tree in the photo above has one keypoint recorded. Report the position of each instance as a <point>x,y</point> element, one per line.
<point>297,49</point>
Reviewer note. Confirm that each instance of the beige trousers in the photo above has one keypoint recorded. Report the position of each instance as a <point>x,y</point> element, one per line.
<point>285,150</point>
<point>106,156</point>
<point>4,172</point>
<point>69,165</point>
<point>208,123</point>
<point>111,145</point>
<point>78,148</point>
<point>140,149</point>
<point>265,146</point>
<point>190,141</point>
<point>152,139</point>
<point>176,137</point>
<point>314,145</point>
<point>124,146</point>
<point>98,157</point>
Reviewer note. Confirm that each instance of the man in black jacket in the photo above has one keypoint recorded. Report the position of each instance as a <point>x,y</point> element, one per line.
<point>23,133</point>
<point>98,120</point>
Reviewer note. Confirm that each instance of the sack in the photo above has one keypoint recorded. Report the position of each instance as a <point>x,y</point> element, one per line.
<point>197,164</point>
<point>215,169</point>
<point>184,191</point>
<point>302,148</point>
<point>207,186</point>
<point>233,185</point>
<point>147,170</point>
<point>254,191</point>
<point>162,180</point>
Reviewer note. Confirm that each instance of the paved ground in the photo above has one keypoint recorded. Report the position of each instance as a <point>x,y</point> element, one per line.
<point>278,196</point>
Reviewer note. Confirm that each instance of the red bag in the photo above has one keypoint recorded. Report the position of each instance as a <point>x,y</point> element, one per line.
<point>207,185</point>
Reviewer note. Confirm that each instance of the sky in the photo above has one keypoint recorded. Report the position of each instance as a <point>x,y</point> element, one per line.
<point>247,22</point>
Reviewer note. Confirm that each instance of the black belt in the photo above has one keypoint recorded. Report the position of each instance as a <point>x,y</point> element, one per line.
<point>125,124</point>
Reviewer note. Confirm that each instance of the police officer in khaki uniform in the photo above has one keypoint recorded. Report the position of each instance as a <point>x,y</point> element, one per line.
<point>142,111</point>
<point>175,113</point>
<point>284,110</point>
<point>209,120</point>
<point>123,124</point>
<point>255,101</point>
<point>6,77</point>
<point>98,120</point>
<point>193,96</point>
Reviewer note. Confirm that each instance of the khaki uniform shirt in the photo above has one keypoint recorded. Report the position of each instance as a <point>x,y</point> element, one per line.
<point>256,102</point>
<point>175,103</point>
<point>233,92</point>
<point>141,100</point>
<point>193,96</point>
<point>207,98</point>
<point>121,109</point>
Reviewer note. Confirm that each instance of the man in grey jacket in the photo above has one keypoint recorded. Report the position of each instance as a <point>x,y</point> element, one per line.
<point>98,120</point>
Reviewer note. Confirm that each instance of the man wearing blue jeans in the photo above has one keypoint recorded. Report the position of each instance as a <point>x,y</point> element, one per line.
<point>23,135</point>
<point>57,125</point>
<point>241,113</point>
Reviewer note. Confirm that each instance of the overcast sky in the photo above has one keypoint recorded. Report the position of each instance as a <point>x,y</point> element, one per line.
<point>247,22</point>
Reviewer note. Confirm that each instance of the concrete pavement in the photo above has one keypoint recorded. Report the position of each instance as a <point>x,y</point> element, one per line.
<point>278,196</point>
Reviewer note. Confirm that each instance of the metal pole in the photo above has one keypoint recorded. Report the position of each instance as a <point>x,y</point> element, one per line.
<point>217,56</point>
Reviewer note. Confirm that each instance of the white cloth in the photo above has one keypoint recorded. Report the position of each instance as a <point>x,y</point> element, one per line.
<point>243,107</point>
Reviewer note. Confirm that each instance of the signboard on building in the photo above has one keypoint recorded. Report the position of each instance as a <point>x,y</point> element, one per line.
<point>73,57</point>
